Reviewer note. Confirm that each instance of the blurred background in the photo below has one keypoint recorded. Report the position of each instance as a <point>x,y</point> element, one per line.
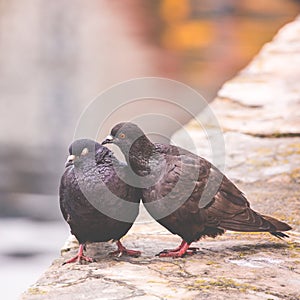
<point>55,56</point>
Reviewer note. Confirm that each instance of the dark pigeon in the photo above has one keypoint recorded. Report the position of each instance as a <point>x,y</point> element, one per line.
<point>185,193</point>
<point>91,183</point>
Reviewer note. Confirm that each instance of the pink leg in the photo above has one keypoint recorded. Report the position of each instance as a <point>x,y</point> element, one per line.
<point>122,250</point>
<point>180,251</point>
<point>176,249</point>
<point>79,256</point>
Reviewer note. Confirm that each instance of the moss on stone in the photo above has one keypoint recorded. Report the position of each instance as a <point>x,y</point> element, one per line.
<point>36,291</point>
<point>222,283</point>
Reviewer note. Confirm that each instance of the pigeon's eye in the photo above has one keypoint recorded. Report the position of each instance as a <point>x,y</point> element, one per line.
<point>122,135</point>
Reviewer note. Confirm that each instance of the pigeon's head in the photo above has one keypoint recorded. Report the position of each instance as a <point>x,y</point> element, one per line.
<point>125,135</point>
<point>84,148</point>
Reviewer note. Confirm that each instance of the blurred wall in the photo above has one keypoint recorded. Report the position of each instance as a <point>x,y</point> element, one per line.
<point>56,56</point>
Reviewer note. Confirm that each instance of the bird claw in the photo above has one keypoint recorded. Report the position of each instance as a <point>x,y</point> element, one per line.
<point>118,253</point>
<point>123,250</point>
<point>133,253</point>
<point>175,253</point>
<point>79,258</point>
<point>190,251</point>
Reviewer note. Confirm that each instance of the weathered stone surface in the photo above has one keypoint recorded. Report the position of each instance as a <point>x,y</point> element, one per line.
<point>259,113</point>
<point>237,265</point>
<point>250,159</point>
<point>256,110</point>
<point>264,98</point>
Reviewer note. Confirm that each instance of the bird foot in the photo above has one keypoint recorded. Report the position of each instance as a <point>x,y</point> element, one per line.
<point>178,253</point>
<point>124,251</point>
<point>174,254</point>
<point>78,258</point>
<point>191,250</point>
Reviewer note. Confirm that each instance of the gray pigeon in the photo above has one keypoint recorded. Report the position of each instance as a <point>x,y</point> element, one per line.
<point>174,182</point>
<point>96,203</point>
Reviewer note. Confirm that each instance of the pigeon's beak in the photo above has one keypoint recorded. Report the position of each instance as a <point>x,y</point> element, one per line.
<point>109,140</point>
<point>70,160</point>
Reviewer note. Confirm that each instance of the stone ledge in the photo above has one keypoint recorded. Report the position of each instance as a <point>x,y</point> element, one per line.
<point>236,265</point>
<point>259,114</point>
<point>263,100</point>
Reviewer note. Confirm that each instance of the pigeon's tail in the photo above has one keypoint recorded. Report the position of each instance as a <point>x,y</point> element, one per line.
<point>251,221</point>
<point>280,235</point>
<point>280,226</point>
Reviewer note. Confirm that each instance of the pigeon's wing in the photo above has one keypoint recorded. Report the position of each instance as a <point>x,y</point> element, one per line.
<point>119,179</point>
<point>184,177</point>
<point>231,210</point>
<point>119,200</point>
<point>204,196</point>
<point>63,195</point>
<point>228,207</point>
<point>71,200</point>
<point>174,199</point>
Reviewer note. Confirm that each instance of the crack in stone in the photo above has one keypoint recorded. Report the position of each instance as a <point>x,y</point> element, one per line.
<point>236,101</point>
<point>275,135</point>
<point>181,273</point>
<point>183,270</point>
<point>136,292</point>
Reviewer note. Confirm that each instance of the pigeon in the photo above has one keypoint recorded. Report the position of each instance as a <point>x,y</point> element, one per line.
<point>187,194</point>
<point>96,203</point>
